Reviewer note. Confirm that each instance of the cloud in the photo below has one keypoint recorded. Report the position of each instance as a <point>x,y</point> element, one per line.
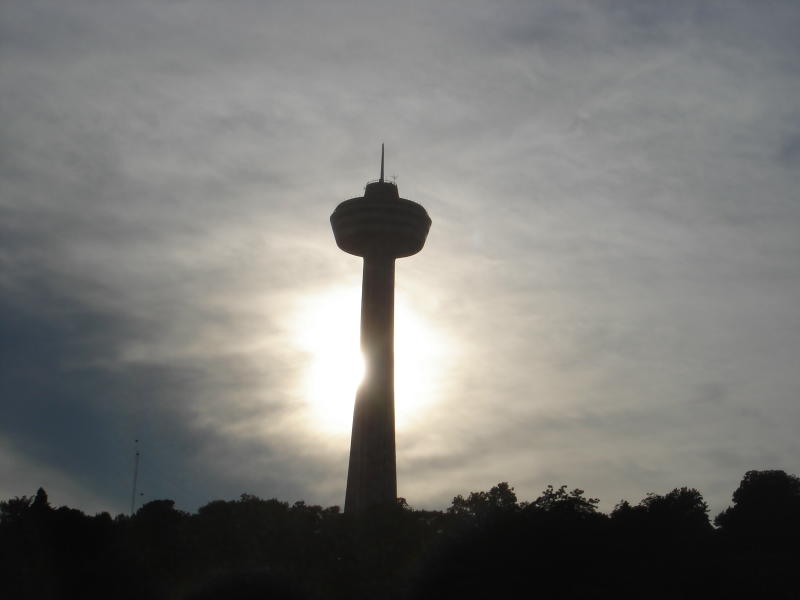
<point>613,251</point>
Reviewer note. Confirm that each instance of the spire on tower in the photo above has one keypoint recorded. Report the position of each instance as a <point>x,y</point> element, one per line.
<point>381,163</point>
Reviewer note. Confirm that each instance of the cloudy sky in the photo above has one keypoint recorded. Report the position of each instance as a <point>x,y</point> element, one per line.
<point>608,298</point>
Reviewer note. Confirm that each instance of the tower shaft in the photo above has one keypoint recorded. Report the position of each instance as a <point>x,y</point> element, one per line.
<point>372,472</point>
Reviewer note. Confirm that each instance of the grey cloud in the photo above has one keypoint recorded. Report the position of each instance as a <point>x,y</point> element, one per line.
<point>789,152</point>
<point>73,406</point>
<point>613,251</point>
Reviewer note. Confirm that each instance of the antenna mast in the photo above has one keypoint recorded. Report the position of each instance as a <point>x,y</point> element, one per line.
<point>135,475</point>
<point>381,163</point>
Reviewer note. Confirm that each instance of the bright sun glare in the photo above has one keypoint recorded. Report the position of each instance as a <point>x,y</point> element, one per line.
<point>327,330</point>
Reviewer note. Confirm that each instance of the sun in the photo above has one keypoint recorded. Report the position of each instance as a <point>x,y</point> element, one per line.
<point>327,332</point>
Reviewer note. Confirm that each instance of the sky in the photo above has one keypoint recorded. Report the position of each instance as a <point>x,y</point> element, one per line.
<point>608,297</point>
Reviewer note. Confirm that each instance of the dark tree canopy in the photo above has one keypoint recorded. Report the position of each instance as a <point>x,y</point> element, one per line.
<point>561,501</point>
<point>499,499</point>
<point>14,509</point>
<point>681,513</point>
<point>766,507</point>
<point>487,544</point>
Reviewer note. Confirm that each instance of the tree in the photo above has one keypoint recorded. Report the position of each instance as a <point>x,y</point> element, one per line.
<point>14,509</point>
<point>40,501</point>
<point>675,518</point>
<point>766,508</point>
<point>559,500</point>
<point>160,512</point>
<point>501,499</point>
<point>682,511</point>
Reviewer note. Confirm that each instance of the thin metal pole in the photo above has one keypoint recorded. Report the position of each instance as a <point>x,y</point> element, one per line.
<point>135,476</point>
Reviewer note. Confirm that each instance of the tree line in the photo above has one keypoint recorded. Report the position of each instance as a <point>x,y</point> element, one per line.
<point>486,544</point>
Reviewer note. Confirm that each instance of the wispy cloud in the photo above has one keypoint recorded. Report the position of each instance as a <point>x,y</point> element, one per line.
<point>613,256</point>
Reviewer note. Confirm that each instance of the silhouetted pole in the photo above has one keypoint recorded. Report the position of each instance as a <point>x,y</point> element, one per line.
<point>135,475</point>
<point>380,227</point>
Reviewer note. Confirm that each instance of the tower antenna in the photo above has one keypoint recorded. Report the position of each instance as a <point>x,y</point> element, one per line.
<point>135,475</point>
<point>381,163</point>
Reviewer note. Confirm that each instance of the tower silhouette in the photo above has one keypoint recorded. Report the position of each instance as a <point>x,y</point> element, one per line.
<point>380,227</point>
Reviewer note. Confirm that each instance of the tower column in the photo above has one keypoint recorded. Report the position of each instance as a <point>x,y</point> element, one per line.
<point>372,472</point>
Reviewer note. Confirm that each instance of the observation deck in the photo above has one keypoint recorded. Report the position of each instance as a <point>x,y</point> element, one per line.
<point>380,223</point>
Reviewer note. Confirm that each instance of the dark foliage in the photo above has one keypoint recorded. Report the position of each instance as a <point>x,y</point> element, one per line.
<point>761,532</point>
<point>485,545</point>
<point>765,511</point>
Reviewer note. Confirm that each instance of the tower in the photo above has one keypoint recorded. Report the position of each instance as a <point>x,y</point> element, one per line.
<point>380,227</point>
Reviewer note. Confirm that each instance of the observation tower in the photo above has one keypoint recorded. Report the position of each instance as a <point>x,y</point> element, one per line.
<point>380,227</point>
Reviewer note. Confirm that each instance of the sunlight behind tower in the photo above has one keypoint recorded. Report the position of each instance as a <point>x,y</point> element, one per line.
<point>325,329</point>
